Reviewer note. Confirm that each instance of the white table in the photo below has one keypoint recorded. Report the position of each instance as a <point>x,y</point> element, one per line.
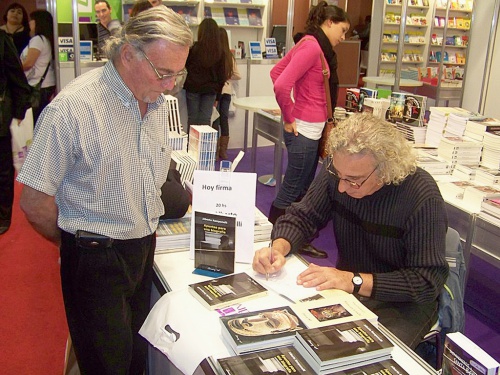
<point>390,82</point>
<point>267,127</point>
<point>174,271</point>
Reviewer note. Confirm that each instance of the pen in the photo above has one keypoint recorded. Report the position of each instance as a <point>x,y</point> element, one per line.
<point>270,259</point>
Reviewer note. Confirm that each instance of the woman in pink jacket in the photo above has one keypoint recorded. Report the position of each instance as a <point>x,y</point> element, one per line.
<point>300,92</point>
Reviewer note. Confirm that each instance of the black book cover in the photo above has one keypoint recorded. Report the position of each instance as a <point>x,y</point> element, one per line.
<point>214,239</point>
<point>227,290</point>
<point>278,361</point>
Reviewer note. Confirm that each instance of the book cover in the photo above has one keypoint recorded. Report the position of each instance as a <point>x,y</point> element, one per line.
<point>261,329</point>
<point>214,239</point>
<point>396,108</point>
<point>352,99</point>
<point>414,109</point>
<point>462,356</point>
<point>343,344</point>
<point>385,367</point>
<point>339,308</point>
<point>231,15</point>
<point>254,17</point>
<point>226,290</point>
<point>284,360</point>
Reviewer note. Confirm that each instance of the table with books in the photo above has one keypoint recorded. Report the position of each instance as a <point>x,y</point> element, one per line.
<point>191,337</point>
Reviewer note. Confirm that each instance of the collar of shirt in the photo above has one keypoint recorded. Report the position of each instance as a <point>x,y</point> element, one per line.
<point>112,78</point>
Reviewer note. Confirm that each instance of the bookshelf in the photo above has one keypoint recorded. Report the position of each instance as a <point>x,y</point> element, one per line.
<point>417,17</point>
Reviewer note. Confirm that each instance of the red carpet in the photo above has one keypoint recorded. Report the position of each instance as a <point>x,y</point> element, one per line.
<point>33,326</point>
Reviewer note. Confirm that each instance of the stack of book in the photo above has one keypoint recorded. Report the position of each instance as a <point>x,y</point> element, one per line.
<point>491,149</point>
<point>435,126</point>
<point>227,290</point>
<point>407,108</point>
<point>378,107</point>
<point>462,356</point>
<point>412,133</point>
<point>474,195</point>
<point>455,126</point>
<point>263,227</point>
<point>203,146</point>
<point>384,367</point>
<point>475,128</point>
<point>460,150</point>
<point>283,360</point>
<point>177,137</point>
<point>185,164</point>
<point>465,172</point>
<point>342,346</point>
<point>454,189</point>
<point>490,210</point>
<point>173,235</point>
<point>487,176</point>
<point>435,165</point>
<point>262,329</point>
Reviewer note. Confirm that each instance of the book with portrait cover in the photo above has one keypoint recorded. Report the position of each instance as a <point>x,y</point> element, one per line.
<point>337,308</point>
<point>214,239</point>
<point>262,329</point>
<point>342,346</point>
<point>231,15</point>
<point>384,367</point>
<point>226,290</point>
<point>462,356</point>
<point>283,360</point>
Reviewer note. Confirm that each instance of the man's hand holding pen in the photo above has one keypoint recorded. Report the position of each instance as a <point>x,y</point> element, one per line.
<point>269,260</point>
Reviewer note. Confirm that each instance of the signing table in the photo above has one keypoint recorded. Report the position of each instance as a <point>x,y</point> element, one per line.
<point>174,274</point>
<point>268,126</point>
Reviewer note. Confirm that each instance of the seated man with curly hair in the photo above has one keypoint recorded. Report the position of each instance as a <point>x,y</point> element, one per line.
<point>390,226</point>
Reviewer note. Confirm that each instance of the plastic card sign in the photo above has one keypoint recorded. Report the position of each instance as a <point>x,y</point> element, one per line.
<point>255,50</point>
<point>271,49</point>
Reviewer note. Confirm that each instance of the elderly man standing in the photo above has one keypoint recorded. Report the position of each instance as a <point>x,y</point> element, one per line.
<point>93,182</point>
<point>106,27</point>
<point>390,225</point>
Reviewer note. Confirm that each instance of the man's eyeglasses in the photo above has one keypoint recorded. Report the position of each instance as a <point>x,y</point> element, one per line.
<point>178,77</point>
<point>355,185</point>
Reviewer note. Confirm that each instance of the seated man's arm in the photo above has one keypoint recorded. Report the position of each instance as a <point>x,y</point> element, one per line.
<point>41,211</point>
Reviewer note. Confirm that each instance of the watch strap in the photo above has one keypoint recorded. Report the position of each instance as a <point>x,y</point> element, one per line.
<point>357,287</point>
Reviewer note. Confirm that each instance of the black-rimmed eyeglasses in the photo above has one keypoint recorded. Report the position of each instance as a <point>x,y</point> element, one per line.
<point>355,185</point>
<point>178,77</point>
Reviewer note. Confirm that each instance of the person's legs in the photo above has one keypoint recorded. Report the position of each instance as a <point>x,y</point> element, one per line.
<point>193,108</point>
<point>224,104</point>
<point>106,295</point>
<point>410,322</point>
<point>206,106</point>
<point>6,182</point>
<point>302,161</point>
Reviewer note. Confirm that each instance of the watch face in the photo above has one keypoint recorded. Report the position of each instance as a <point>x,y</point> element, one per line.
<point>357,280</point>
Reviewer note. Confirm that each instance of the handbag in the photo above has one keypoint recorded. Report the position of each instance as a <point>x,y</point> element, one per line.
<point>36,92</point>
<point>22,137</point>
<point>330,123</point>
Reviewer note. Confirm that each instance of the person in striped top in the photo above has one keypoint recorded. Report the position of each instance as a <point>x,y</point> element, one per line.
<point>389,222</point>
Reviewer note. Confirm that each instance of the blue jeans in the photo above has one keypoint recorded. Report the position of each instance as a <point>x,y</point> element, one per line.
<point>199,108</point>
<point>223,121</point>
<point>300,171</point>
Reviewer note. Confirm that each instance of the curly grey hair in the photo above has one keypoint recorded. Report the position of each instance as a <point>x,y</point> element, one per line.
<point>365,134</point>
<point>151,25</point>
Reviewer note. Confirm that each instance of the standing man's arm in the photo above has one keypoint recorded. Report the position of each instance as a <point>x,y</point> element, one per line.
<point>41,211</point>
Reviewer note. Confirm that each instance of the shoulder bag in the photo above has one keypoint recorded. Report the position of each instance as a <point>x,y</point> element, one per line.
<point>36,93</point>
<point>330,123</point>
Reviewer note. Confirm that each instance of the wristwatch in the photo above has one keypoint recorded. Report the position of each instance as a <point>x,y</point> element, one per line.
<point>357,281</point>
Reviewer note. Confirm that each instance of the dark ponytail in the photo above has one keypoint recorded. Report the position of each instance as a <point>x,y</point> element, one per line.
<point>323,12</point>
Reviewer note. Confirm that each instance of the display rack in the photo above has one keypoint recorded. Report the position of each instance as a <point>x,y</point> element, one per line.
<point>245,19</point>
<point>448,50</point>
<point>416,34</point>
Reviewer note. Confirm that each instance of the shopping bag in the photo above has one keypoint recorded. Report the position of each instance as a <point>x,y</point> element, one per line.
<point>22,137</point>
<point>323,142</point>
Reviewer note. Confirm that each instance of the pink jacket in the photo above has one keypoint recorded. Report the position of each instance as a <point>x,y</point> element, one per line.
<point>301,70</point>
